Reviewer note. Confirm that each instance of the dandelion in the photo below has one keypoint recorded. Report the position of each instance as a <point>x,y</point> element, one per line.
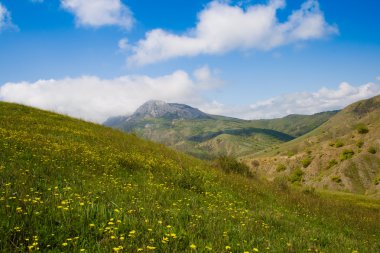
<point>150,247</point>
<point>117,249</point>
<point>165,240</point>
<point>64,244</point>
<point>92,225</point>
<point>255,250</point>
<point>193,246</point>
<point>228,247</point>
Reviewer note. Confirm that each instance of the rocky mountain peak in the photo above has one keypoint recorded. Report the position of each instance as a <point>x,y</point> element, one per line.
<point>158,109</point>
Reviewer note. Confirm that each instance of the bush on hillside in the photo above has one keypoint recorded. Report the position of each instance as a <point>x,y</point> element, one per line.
<point>296,176</point>
<point>376,181</point>
<point>231,165</point>
<point>372,150</point>
<point>347,154</point>
<point>360,144</point>
<point>306,161</point>
<point>339,143</point>
<point>332,163</point>
<point>362,129</point>
<point>280,167</point>
<point>336,179</point>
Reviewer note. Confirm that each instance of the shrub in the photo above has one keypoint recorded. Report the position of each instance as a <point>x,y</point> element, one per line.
<point>332,163</point>
<point>280,167</point>
<point>291,153</point>
<point>306,161</point>
<point>360,144</point>
<point>347,154</point>
<point>336,179</point>
<point>339,144</point>
<point>281,184</point>
<point>255,163</point>
<point>231,165</point>
<point>309,191</point>
<point>362,129</point>
<point>372,150</point>
<point>296,176</point>
<point>191,181</point>
<point>376,181</point>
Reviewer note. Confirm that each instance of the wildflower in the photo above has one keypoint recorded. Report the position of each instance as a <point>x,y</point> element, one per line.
<point>64,244</point>
<point>193,246</point>
<point>255,250</point>
<point>92,225</point>
<point>228,247</point>
<point>117,249</point>
<point>150,247</point>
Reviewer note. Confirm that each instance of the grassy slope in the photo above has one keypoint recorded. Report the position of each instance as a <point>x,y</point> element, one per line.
<point>207,138</point>
<point>72,186</point>
<point>324,148</point>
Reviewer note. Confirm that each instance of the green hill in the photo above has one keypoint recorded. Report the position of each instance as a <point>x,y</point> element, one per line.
<point>343,154</point>
<point>209,136</point>
<point>71,186</point>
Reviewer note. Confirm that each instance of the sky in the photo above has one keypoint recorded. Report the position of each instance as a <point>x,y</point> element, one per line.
<point>247,59</point>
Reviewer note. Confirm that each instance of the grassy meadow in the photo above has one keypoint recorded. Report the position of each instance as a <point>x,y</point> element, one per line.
<point>71,186</point>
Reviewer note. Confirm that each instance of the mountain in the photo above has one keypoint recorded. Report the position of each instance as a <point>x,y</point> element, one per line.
<point>159,109</point>
<point>71,186</point>
<point>207,136</point>
<point>342,154</point>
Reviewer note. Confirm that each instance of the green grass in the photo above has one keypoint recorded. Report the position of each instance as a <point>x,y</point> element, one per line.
<point>71,186</point>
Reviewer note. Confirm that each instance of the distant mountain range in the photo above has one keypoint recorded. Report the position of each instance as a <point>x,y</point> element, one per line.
<point>203,135</point>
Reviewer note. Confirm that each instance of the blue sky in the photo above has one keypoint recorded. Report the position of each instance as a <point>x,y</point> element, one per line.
<point>249,59</point>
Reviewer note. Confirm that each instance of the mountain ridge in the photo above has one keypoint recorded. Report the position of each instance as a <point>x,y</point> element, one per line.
<point>342,154</point>
<point>207,136</point>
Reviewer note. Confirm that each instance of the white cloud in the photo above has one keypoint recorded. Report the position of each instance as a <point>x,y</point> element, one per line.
<point>5,19</point>
<point>95,99</point>
<point>123,44</point>
<point>98,13</point>
<point>222,28</point>
<point>299,103</point>
<point>378,78</point>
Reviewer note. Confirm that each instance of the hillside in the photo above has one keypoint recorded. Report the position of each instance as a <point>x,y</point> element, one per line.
<point>342,154</point>
<point>207,136</point>
<point>71,186</point>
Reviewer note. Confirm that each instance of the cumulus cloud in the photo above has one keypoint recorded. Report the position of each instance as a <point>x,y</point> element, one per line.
<point>96,13</point>
<point>299,103</point>
<point>95,99</point>
<point>123,44</point>
<point>222,28</point>
<point>5,18</point>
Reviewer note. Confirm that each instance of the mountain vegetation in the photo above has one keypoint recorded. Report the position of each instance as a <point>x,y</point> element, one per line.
<point>341,154</point>
<point>208,136</point>
<point>72,186</point>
